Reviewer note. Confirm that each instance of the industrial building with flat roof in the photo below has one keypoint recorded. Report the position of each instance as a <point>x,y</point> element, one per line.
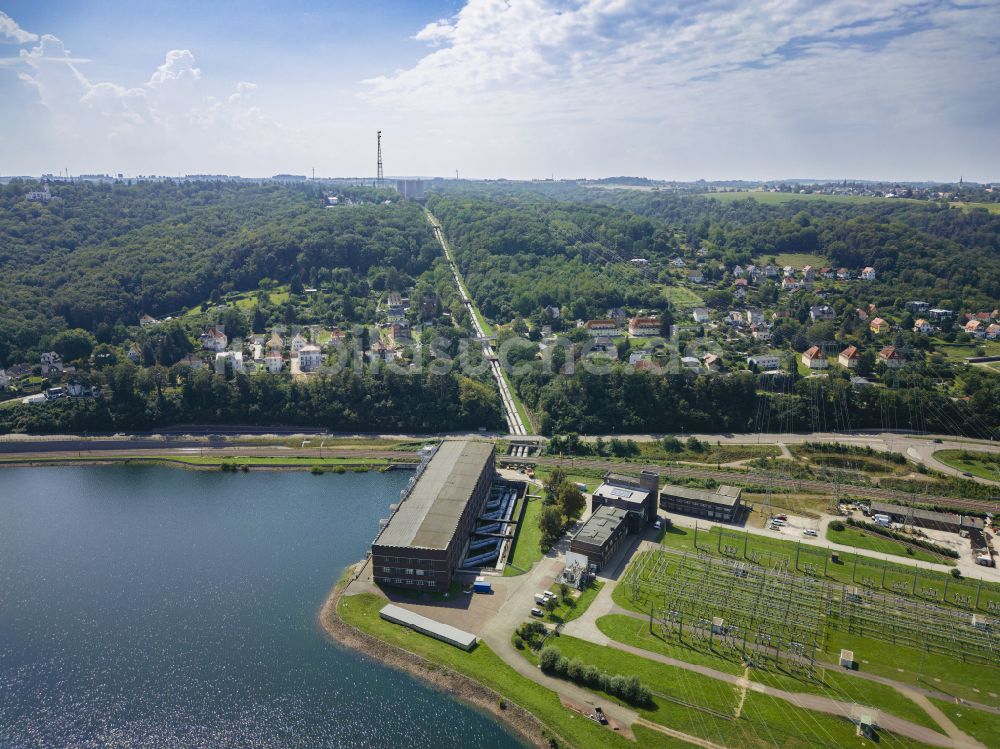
<point>942,521</point>
<point>635,495</point>
<point>722,504</point>
<point>423,541</point>
<point>601,536</point>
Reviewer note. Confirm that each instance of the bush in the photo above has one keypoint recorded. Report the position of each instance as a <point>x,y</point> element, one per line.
<point>575,670</point>
<point>836,525</point>
<point>956,573</point>
<point>518,642</point>
<point>548,659</point>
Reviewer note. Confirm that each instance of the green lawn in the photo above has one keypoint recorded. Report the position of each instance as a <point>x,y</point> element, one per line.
<point>682,296</point>
<point>775,198</point>
<point>485,666</point>
<point>978,724</point>
<point>693,703</point>
<point>856,538</point>
<point>579,603</point>
<point>984,465</point>
<point>527,540</point>
<point>635,632</point>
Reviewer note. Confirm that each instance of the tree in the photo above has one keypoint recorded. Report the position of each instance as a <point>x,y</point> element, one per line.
<point>73,344</point>
<point>552,484</point>
<point>548,658</point>
<point>571,500</point>
<point>551,524</point>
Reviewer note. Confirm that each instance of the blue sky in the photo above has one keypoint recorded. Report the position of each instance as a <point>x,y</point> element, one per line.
<point>887,89</point>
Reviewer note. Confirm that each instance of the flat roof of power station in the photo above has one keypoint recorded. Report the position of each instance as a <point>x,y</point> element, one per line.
<point>428,517</point>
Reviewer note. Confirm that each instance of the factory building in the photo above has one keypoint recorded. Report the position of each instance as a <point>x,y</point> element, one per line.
<point>601,536</point>
<point>634,495</point>
<point>422,543</point>
<point>721,505</point>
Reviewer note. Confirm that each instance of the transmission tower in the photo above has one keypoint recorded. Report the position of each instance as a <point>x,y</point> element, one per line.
<point>378,178</point>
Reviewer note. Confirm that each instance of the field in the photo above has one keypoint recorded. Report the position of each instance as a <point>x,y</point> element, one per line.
<point>959,351</point>
<point>983,465</point>
<point>681,296</point>
<point>775,198</point>
<point>858,539</point>
<point>703,706</point>
<point>796,260</point>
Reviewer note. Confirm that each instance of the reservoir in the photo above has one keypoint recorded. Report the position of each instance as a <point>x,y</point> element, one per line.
<point>157,607</point>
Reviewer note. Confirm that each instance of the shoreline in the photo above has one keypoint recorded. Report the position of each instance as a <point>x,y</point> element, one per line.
<point>237,467</point>
<point>464,688</point>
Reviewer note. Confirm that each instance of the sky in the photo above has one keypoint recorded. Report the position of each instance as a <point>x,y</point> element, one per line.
<point>666,89</point>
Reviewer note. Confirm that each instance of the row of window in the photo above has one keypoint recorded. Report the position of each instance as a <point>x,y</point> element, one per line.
<point>412,562</point>
<point>406,571</point>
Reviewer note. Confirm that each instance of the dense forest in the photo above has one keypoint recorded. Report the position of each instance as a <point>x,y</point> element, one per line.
<point>105,254</point>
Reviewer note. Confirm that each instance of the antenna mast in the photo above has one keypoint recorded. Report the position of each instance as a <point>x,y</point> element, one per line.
<point>378,179</point>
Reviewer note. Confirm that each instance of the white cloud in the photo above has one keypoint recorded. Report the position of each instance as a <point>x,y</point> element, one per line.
<point>11,31</point>
<point>179,66</point>
<point>717,88</point>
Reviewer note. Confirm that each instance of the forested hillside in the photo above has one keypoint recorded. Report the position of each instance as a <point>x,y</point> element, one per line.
<point>105,254</point>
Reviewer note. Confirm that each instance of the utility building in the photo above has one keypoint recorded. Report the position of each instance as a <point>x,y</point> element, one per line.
<point>422,544</point>
<point>601,536</point>
<point>635,496</point>
<point>722,504</point>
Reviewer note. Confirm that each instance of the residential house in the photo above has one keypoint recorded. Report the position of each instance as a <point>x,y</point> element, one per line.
<point>274,362</point>
<point>394,305</point>
<point>828,272</point>
<point>808,276</point>
<point>214,339</point>
<point>691,362</point>
<point>4,380</point>
<point>813,358</point>
<point>740,286</point>
<point>878,325</point>
<point>822,312</point>
<point>553,312</point>
<point>603,346</point>
<point>233,358</point>
<point>761,332</point>
<point>975,328</point>
<point>771,270</point>
<point>678,262</point>
<point>618,315</point>
<point>134,354</point>
<point>843,274</point>
<point>310,358</point>
<point>993,331</point>
<point>764,362</point>
<point>399,332</point>
<point>337,336</point>
<point>788,283</point>
<point>711,362</point>
<point>644,326</point>
<point>639,262</point>
<point>734,318</point>
<point>849,357</point>
<point>868,274</point>
<point>298,343</point>
<point>51,363</point>
<point>41,196</point>
<point>275,342</point>
<point>892,357</point>
<point>788,271</point>
<point>602,327</point>
<point>738,271</point>
<point>916,306</point>
<point>939,312</point>
<point>754,317</point>
<point>922,326</point>
<point>695,276</point>
<point>146,320</point>
<point>700,314</point>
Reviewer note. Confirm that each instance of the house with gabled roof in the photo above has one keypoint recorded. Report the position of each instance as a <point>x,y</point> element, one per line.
<point>892,357</point>
<point>878,325</point>
<point>813,358</point>
<point>849,357</point>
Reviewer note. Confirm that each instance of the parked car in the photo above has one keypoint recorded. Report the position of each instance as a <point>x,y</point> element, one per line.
<point>967,474</point>
<point>810,532</point>
<point>537,612</point>
<point>937,440</point>
<point>781,517</point>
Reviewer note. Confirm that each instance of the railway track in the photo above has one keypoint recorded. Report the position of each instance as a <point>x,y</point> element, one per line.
<point>759,479</point>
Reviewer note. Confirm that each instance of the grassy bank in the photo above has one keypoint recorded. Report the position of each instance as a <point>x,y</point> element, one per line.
<point>527,540</point>
<point>861,540</point>
<point>981,464</point>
